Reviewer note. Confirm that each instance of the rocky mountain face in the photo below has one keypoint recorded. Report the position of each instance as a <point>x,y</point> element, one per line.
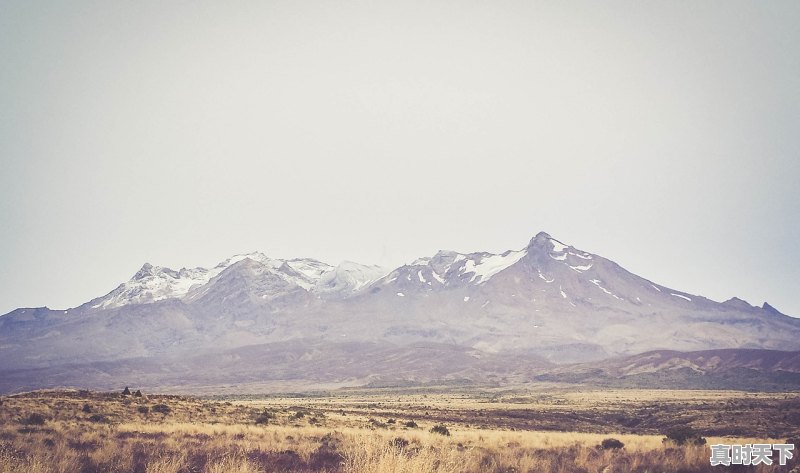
<point>502,314</point>
<point>732,368</point>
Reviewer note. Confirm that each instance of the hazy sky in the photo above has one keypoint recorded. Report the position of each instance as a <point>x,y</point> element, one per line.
<point>663,135</point>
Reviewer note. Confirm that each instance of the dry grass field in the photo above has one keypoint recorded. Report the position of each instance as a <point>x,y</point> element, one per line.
<point>550,430</point>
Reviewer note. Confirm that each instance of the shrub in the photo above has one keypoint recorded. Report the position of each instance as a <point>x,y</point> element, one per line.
<point>391,421</point>
<point>684,436</point>
<point>34,419</point>
<point>264,417</point>
<point>162,409</point>
<point>100,418</point>
<point>440,429</point>
<point>143,410</point>
<point>411,424</point>
<point>138,393</point>
<point>377,424</point>
<point>87,408</point>
<point>126,391</point>
<point>398,443</point>
<point>611,444</point>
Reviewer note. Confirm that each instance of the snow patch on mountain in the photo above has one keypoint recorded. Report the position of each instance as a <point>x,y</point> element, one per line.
<point>597,283</point>
<point>542,277</point>
<point>348,277</point>
<point>581,269</point>
<point>311,269</point>
<point>488,266</point>
<point>558,247</point>
<point>155,283</point>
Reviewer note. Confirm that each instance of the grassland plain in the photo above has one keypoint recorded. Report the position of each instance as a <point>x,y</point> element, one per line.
<point>549,429</point>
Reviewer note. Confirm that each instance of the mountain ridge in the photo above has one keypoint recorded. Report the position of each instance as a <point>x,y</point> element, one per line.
<point>547,301</point>
<point>309,270</point>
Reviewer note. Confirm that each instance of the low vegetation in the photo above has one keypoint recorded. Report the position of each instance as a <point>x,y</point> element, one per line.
<point>49,432</point>
<point>684,436</point>
<point>611,444</point>
<point>441,430</point>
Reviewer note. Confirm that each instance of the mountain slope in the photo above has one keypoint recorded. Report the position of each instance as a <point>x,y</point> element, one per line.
<point>745,369</point>
<point>548,300</point>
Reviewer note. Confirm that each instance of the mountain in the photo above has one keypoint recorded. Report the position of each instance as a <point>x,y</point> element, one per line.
<point>505,315</point>
<point>156,283</point>
<point>743,369</point>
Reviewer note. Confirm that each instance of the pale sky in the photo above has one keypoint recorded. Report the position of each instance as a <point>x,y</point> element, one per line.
<point>662,135</point>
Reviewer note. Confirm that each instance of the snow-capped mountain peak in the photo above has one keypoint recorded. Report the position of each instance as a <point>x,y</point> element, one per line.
<point>154,283</point>
<point>146,271</point>
<point>549,299</point>
<point>453,269</point>
<point>349,277</point>
<point>256,256</point>
<point>543,241</point>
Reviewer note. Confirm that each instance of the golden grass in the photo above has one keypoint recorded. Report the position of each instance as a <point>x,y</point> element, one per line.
<point>216,437</point>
